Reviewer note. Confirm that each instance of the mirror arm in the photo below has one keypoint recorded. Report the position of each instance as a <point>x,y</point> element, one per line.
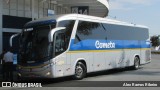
<point>11,38</point>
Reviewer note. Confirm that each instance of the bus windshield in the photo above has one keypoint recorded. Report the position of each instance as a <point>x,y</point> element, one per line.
<point>35,45</point>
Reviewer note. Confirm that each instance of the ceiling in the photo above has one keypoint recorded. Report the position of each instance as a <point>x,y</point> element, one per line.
<point>96,7</point>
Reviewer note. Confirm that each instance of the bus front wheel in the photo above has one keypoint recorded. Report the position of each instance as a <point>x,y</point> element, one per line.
<point>80,71</point>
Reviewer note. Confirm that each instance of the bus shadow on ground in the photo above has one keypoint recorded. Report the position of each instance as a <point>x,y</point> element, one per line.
<point>111,71</point>
<point>70,78</point>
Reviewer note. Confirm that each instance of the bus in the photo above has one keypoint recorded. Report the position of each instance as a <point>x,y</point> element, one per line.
<point>74,45</point>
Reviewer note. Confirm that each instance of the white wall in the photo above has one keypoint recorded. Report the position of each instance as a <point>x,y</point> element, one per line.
<point>31,8</point>
<point>26,8</point>
<point>21,8</point>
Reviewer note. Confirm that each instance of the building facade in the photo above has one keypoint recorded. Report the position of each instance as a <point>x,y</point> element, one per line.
<point>15,13</point>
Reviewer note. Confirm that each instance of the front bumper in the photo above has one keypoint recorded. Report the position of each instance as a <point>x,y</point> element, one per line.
<point>38,72</point>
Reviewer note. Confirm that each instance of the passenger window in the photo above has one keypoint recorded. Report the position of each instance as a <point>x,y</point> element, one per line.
<point>90,31</point>
<point>60,43</point>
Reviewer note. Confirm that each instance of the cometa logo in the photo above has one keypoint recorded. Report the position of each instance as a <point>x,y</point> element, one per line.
<point>100,45</point>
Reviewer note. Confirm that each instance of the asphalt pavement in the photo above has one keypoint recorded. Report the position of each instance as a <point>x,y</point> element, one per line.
<point>148,72</point>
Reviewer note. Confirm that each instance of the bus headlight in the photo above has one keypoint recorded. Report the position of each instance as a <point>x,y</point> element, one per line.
<point>19,75</point>
<point>48,73</point>
<point>19,67</point>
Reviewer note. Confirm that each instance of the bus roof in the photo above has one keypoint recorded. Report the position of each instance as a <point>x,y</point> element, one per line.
<point>96,19</point>
<point>57,18</point>
<point>40,22</point>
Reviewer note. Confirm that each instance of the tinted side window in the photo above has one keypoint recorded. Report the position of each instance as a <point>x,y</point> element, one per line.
<point>69,24</point>
<point>90,30</point>
<point>119,32</point>
<point>104,31</point>
<point>141,33</point>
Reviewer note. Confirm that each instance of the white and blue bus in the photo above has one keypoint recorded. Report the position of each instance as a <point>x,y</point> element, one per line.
<point>76,44</point>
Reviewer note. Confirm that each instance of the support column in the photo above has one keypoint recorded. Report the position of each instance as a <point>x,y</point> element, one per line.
<point>34,9</point>
<point>55,9</point>
<point>33,14</point>
<point>1,29</point>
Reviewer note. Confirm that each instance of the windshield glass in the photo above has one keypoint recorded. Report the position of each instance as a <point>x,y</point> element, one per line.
<point>35,45</point>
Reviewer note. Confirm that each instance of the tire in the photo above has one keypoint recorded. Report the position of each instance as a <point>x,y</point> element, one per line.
<point>80,71</point>
<point>136,63</point>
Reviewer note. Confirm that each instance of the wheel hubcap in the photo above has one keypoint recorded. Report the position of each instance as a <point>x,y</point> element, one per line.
<point>136,63</point>
<point>79,71</point>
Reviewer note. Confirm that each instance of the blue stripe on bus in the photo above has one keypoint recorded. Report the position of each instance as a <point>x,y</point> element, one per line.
<point>119,44</point>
